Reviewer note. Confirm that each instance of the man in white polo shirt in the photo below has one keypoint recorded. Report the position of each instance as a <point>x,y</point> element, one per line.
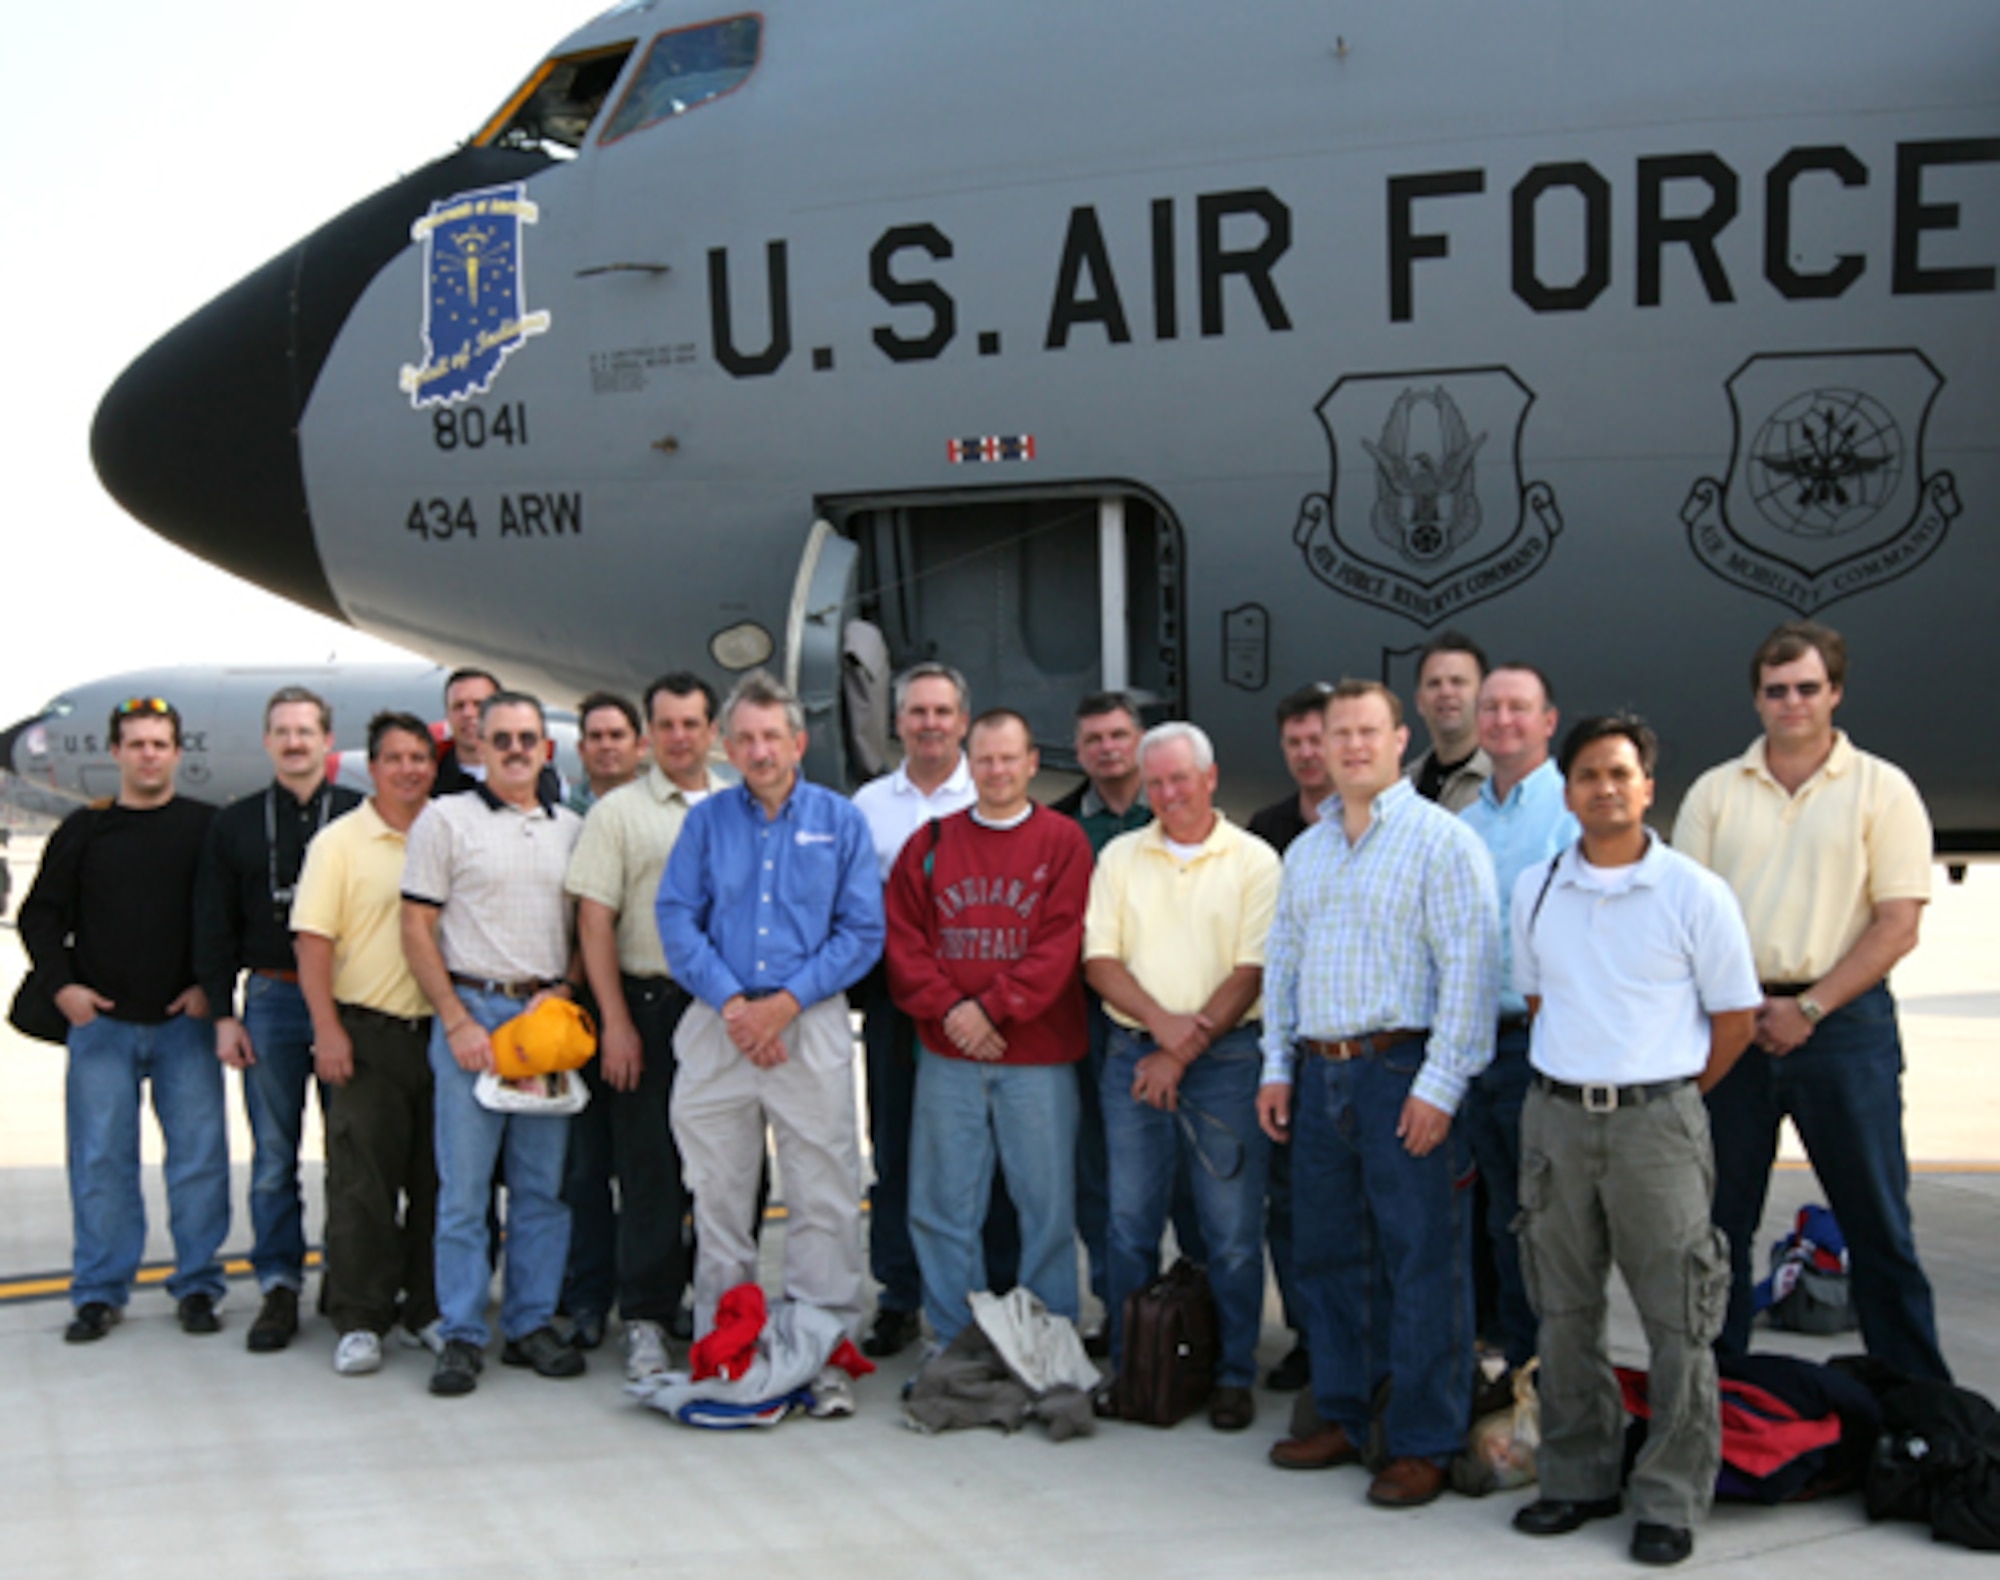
<point>486,930</point>
<point>1636,967</point>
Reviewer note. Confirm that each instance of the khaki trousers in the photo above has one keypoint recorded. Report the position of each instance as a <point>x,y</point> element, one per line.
<point>1633,1187</point>
<point>721,1104</point>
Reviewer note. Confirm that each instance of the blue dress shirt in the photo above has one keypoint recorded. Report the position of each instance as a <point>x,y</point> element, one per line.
<point>757,905</point>
<point>1526,830</point>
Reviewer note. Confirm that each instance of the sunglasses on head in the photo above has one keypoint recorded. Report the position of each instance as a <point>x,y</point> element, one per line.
<point>1778,690</point>
<point>507,740</point>
<point>132,705</point>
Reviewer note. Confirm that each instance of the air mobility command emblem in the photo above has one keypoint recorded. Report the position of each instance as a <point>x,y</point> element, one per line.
<point>1427,513</point>
<point>1825,494</point>
<point>475,292</point>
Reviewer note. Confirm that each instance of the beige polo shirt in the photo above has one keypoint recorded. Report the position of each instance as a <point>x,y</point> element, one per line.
<point>495,872</point>
<point>350,892</point>
<point>1809,869</point>
<point>1181,927</point>
<point>623,850</point>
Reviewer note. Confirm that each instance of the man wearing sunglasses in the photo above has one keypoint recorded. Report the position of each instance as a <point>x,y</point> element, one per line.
<point>109,916</point>
<point>486,930</point>
<point>1829,851</point>
<point>242,926</point>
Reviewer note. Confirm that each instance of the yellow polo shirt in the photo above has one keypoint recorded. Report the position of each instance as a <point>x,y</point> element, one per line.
<point>618,861</point>
<point>351,892</point>
<point>1181,927</point>
<point>1809,869</point>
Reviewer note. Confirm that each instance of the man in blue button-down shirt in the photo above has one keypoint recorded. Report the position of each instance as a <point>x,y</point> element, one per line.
<point>769,909</point>
<point>1381,976</point>
<point>1520,815</point>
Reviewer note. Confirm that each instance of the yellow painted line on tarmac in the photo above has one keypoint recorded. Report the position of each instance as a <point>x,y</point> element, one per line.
<point>52,1286</point>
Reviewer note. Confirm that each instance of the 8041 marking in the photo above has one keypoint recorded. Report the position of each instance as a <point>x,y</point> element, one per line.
<point>470,428</point>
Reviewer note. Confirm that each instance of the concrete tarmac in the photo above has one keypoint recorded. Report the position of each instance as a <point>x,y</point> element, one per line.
<point>157,1454</point>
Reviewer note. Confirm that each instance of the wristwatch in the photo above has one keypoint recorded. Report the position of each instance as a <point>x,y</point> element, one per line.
<point>1812,1009</point>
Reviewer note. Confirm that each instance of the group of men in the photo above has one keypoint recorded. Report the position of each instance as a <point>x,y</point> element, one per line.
<point>1081,1021</point>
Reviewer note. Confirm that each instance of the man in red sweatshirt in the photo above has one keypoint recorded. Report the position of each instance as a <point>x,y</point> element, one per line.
<point>985,917</point>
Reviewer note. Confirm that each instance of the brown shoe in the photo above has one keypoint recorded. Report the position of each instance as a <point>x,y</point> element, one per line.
<point>1321,1451</point>
<point>1407,1483</point>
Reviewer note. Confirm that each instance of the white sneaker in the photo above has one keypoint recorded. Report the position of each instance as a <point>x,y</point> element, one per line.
<point>359,1353</point>
<point>429,1337</point>
<point>645,1351</point>
<point>833,1394</point>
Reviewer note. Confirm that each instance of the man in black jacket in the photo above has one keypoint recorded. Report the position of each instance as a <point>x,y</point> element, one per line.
<point>242,923</point>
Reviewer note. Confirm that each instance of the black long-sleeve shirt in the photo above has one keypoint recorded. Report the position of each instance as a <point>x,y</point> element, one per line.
<point>243,893</point>
<point>113,903</point>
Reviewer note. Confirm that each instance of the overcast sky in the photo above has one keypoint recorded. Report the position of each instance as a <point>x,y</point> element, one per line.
<point>161,152</point>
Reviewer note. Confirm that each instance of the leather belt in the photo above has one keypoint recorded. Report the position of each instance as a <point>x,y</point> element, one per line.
<point>524,989</point>
<point>276,976</point>
<point>1605,1098</point>
<point>1341,1049</point>
<point>411,1025</point>
<point>1784,989</point>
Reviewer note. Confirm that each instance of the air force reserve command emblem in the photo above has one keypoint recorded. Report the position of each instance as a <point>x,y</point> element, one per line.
<point>1427,514</point>
<point>475,292</point>
<point>1826,494</point>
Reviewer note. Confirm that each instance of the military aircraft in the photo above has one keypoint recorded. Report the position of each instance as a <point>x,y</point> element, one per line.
<point>60,757</point>
<point>1198,349</point>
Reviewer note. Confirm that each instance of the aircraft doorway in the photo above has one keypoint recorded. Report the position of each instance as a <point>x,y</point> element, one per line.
<point>1037,598</point>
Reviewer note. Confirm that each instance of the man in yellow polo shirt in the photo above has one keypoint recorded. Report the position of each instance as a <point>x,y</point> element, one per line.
<point>1174,944</point>
<point>1829,852</point>
<point>371,1028</point>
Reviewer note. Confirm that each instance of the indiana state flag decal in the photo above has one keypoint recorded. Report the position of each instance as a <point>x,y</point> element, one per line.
<point>475,292</point>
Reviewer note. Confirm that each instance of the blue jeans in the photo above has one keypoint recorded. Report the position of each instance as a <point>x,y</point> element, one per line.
<point>1492,1121</point>
<point>274,1092</point>
<point>1148,1146</point>
<point>1383,1254</point>
<point>530,1147</point>
<point>967,1111</point>
<point>1844,1092</point>
<point>1093,1167</point>
<point>108,1059</point>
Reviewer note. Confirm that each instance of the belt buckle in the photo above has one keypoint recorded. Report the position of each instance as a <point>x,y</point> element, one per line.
<point>1599,1098</point>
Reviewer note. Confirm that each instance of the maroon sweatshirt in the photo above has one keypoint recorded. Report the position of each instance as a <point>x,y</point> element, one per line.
<point>997,917</point>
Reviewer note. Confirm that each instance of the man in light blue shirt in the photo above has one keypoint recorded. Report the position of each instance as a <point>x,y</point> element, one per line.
<point>1520,815</point>
<point>769,908</point>
<point>1381,978</point>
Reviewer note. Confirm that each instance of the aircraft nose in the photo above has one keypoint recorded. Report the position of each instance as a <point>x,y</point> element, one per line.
<point>11,737</point>
<point>199,437</point>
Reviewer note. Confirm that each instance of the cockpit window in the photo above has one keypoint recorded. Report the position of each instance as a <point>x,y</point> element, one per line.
<point>553,110</point>
<point>685,69</point>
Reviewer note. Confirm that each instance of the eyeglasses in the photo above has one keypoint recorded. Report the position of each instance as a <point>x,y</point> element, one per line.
<point>132,705</point>
<point>507,740</point>
<point>1778,690</point>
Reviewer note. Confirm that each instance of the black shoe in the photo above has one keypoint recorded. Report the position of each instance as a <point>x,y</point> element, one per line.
<point>457,1370</point>
<point>1661,1544</point>
<point>1560,1516</point>
<point>894,1331</point>
<point>277,1322</point>
<point>1231,1409</point>
<point>1293,1372</point>
<point>198,1314</point>
<point>93,1319</point>
<point>586,1330</point>
<point>545,1351</point>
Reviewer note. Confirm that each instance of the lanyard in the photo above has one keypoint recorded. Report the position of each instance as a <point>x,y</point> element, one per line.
<point>281,898</point>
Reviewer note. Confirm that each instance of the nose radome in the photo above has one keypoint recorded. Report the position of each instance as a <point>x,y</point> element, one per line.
<point>198,438</point>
